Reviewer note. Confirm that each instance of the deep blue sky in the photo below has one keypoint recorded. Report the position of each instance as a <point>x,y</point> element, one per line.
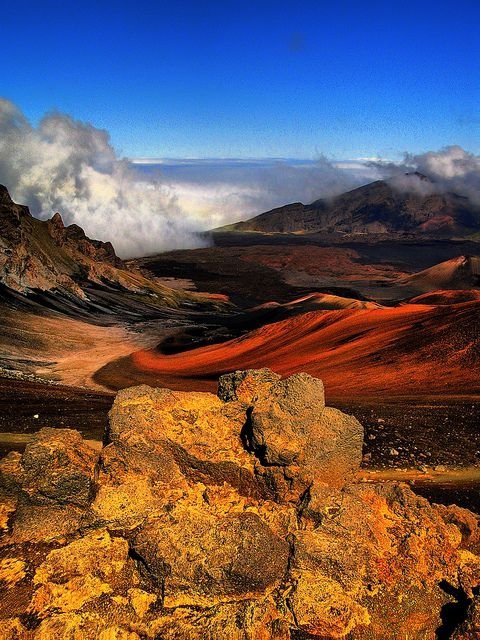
<point>237,79</point>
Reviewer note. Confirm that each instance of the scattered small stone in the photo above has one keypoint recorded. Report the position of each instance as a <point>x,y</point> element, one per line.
<point>393,452</point>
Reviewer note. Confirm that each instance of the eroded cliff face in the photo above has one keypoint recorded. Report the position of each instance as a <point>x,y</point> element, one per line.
<point>46,256</point>
<point>229,517</point>
<point>36,255</point>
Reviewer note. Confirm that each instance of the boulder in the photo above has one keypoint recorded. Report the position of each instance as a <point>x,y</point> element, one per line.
<point>56,467</point>
<point>175,437</point>
<point>372,564</point>
<point>81,572</point>
<point>246,386</point>
<point>204,558</point>
<point>298,441</point>
<point>236,517</point>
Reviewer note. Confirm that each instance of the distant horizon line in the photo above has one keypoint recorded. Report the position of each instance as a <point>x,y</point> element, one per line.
<point>255,159</point>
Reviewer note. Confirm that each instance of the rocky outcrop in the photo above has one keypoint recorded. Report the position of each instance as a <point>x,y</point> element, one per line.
<point>74,237</point>
<point>229,517</point>
<point>47,256</point>
<point>58,467</point>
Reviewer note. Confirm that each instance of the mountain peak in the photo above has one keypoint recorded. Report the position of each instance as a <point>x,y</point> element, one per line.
<point>57,221</point>
<point>46,255</point>
<point>420,176</point>
<point>380,207</point>
<point>4,195</point>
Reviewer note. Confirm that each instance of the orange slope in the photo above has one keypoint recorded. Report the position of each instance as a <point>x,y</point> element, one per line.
<point>449,296</point>
<point>409,350</point>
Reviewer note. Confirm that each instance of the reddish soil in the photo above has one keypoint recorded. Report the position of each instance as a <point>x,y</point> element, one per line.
<point>332,262</point>
<point>377,353</point>
<point>455,296</point>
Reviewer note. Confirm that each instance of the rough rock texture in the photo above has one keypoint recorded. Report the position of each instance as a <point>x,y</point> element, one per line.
<point>226,518</point>
<point>56,467</point>
<point>46,256</point>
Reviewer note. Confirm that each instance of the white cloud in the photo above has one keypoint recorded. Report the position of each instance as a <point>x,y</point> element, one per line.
<point>71,167</point>
<point>148,205</point>
<point>451,169</point>
<point>227,190</point>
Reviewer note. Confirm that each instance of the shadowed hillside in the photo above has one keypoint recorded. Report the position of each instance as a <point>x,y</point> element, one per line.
<point>410,206</point>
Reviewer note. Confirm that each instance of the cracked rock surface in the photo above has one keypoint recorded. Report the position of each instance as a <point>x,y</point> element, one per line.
<point>229,517</point>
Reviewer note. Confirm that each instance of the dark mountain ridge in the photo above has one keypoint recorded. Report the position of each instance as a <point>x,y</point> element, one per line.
<point>407,205</point>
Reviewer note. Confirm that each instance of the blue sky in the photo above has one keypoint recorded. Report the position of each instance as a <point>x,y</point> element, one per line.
<point>251,79</point>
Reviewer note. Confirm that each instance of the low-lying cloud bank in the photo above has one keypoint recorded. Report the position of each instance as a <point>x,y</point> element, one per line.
<point>450,169</point>
<point>222,191</point>
<point>146,207</point>
<point>71,167</point>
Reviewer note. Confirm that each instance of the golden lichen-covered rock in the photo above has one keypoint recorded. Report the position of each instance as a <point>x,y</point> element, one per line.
<point>72,626</point>
<point>323,607</point>
<point>13,629</point>
<point>80,572</point>
<point>258,619</point>
<point>199,553</point>
<point>174,437</point>
<point>467,522</point>
<point>45,523</point>
<point>56,467</point>
<point>12,570</point>
<point>247,386</point>
<point>376,544</point>
<point>225,518</point>
<point>130,502</point>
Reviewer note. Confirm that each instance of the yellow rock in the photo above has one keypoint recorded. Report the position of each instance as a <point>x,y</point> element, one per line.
<point>117,633</point>
<point>69,596</point>
<point>74,626</point>
<point>7,507</point>
<point>141,601</point>
<point>13,630</point>
<point>323,608</point>
<point>12,570</point>
<point>79,572</point>
<point>96,553</point>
